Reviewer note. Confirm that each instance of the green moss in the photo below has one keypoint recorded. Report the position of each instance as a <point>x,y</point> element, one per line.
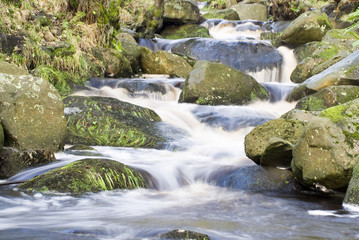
<point>335,114</point>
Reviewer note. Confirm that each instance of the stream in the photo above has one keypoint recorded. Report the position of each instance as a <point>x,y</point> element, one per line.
<point>200,182</point>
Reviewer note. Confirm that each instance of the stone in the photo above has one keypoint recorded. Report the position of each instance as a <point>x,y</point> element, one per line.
<point>251,11</point>
<point>277,153</point>
<point>308,27</point>
<point>1,136</point>
<point>131,51</point>
<point>184,31</point>
<point>227,14</point>
<point>103,121</point>
<point>180,11</point>
<point>162,62</point>
<point>352,194</point>
<point>184,234</point>
<point>211,83</point>
<point>87,175</point>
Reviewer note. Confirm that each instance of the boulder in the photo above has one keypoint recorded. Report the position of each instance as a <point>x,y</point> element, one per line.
<point>180,11</point>
<point>352,193</point>
<point>322,158</point>
<point>305,50</point>
<point>184,234</point>
<point>12,69</point>
<point>132,52</point>
<point>256,142</point>
<point>106,121</point>
<point>184,31</point>
<point>212,83</point>
<point>249,55</point>
<point>345,72</point>
<point>328,97</point>
<point>87,175</point>
<point>251,11</point>
<point>13,161</point>
<point>115,63</point>
<point>277,153</point>
<point>227,14</point>
<point>1,136</point>
<point>32,113</point>
<point>162,62</point>
<point>308,27</point>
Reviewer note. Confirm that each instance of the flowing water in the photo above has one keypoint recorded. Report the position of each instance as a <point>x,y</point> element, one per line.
<point>200,182</point>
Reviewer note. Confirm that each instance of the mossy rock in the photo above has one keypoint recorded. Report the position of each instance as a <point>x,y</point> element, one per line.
<point>211,83</point>
<point>132,52</point>
<point>184,31</point>
<point>1,136</point>
<point>227,14</point>
<point>305,50</point>
<point>13,161</point>
<point>59,49</point>
<point>12,69</point>
<point>352,193</point>
<point>184,235</point>
<point>87,175</point>
<point>180,11</point>
<point>110,122</point>
<point>328,97</point>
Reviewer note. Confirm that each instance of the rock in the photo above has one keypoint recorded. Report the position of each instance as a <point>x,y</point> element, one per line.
<point>13,161</point>
<point>217,84</point>
<point>10,43</point>
<point>308,27</point>
<point>162,62</point>
<point>184,31</point>
<point>180,11</point>
<point>12,69</point>
<point>277,153</point>
<point>305,50</point>
<point>132,52</point>
<point>110,122</point>
<point>87,175</point>
<point>228,14</point>
<point>126,36</point>
<point>328,97</point>
<point>251,11</point>
<point>322,158</point>
<point>352,193</point>
<point>257,140</point>
<point>1,136</point>
<point>249,57</point>
<point>345,72</point>
<point>184,234</point>
<point>32,113</point>
<point>116,64</point>
<point>256,178</point>
<point>59,49</point>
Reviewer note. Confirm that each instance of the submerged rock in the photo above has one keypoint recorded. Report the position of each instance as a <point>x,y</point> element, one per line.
<point>110,122</point>
<point>87,175</point>
<point>162,62</point>
<point>308,27</point>
<point>180,11</point>
<point>217,84</point>
<point>184,235</point>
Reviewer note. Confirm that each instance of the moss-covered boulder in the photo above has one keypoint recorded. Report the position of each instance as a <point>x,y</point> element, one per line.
<point>308,27</point>
<point>253,11</point>
<point>277,153</point>
<point>211,83</point>
<point>345,72</point>
<point>87,175</point>
<point>12,69</point>
<point>352,193</point>
<point>110,122</point>
<point>162,62</point>
<point>227,14</point>
<point>328,97</point>
<point>184,235</point>
<point>184,31</point>
<point>305,50</point>
<point>13,161</point>
<point>132,52</point>
<point>256,142</point>
<point>1,136</point>
<point>32,113</point>
<point>180,11</point>
<point>115,63</point>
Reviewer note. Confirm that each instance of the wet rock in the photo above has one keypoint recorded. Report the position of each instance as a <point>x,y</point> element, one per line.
<point>345,72</point>
<point>184,31</point>
<point>87,175</point>
<point>162,62</point>
<point>180,11</point>
<point>308,27</point>
<point>184,234</point>
<point>110,122</point>
<point>115,63</point>
<point>324,157</point>
<point>249,57</point>
<point>31,113</point>
<point>352,193</point>
<point>217,84</point>
<point>305,50</point>
<point>1,136</point>
<point>132,52</point>
<point>251,11</point>
<point>277,153</point>
<point>13,161</point>
<point>328,97</point>
<point>228,14</point>
<point>258,139</point>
